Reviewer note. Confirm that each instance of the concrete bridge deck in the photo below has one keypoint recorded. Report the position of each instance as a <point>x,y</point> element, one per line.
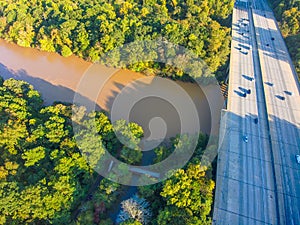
<point>258,178</point>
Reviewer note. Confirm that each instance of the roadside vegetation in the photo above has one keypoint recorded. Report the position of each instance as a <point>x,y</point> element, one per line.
<point>90,28</point>
<point>44,179</point>
<point>288,14</point>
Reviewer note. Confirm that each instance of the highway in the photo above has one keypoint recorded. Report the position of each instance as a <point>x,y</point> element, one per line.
<point>283,115</point>
<point>258,179</point>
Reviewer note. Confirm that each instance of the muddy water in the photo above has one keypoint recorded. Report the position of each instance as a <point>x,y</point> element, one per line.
<point>57,79</point>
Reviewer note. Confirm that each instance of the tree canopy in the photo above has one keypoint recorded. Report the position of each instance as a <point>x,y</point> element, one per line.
<point>190,191</point>
<point>43,175</point>
<point>288,14</point>
<point>44,178</point>
<point>90,28</point>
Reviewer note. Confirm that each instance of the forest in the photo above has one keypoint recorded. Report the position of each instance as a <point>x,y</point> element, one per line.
<point>91,28</point>
<point>287,13</point>
<point>44,179</point>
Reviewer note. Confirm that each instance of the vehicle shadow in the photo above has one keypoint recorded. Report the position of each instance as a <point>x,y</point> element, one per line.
<point>241,94</point>
<point>247,77</point>
<point>244,90</point>
<point>249,165</point>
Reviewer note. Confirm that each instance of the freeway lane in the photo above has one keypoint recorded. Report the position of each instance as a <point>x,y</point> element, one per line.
<point>282,102</point>
<point>258,179</point>
<point>245,185</point>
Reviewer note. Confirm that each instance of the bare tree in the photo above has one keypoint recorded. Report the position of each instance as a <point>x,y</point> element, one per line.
<point>135,208</point>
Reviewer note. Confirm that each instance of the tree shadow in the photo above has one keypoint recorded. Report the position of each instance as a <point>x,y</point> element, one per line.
<point>154,105</point>
<point>50,93</point>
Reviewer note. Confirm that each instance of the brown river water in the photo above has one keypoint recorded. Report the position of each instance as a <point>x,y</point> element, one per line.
<point>57,79</point>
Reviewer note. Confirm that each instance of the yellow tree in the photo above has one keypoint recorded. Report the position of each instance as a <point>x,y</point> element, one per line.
<point>191,191</point>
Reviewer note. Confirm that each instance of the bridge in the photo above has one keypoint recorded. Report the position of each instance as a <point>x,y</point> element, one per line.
<point>258,177</point>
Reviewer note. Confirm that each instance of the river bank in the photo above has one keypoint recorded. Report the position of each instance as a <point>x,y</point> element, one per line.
<point>57,78</point>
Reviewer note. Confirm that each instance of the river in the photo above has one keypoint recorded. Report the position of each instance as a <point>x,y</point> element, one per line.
<point>57,79</point>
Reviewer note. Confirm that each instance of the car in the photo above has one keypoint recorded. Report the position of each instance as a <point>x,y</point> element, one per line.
<point>282,98</point>
<point>272,39</point>
<point>288,93</point>
<point>245,139</point>
<point>256,120</point>
<point>298,159</point>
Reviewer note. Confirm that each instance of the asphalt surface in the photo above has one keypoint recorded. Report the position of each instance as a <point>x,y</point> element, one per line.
<point>258,178</point>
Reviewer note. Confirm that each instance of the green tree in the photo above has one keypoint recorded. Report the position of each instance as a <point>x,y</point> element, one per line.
<point>66,51</point>
<point>131,222</point>
<point>32,156</point>
<point>89,29</point>
<point>42,174</point>
<point>190,190</point>
<point>291,22</point>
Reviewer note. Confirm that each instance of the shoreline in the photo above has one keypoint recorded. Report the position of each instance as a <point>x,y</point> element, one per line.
<point>57,77</point>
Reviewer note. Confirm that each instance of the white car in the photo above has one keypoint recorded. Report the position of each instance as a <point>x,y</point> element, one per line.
<point>298,159</point>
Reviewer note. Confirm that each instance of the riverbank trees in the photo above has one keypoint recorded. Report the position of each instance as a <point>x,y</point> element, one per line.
<point>90,28</point>
<point>185,198</point>
<point>43,175</point>
<point>45,178</point>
